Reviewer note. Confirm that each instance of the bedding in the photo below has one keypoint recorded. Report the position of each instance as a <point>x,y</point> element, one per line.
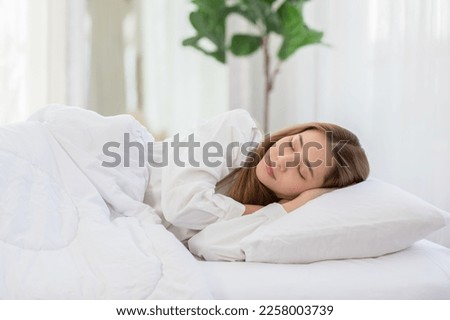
<point>71,228</point>
<point>420,272</point>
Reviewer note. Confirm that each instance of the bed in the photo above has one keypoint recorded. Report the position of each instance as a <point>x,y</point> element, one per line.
<point>72,230</point>
<point>419,272</point>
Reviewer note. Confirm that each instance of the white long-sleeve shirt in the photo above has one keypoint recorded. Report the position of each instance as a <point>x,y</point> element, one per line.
<point>222,240</point>
<point>186,198</point>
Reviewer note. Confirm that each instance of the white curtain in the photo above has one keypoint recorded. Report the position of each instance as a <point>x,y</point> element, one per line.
<point>13,59</point>
<point>386,77</point>
<point>107,86</point>
<point>32,56</point>
<point>180,85</point>
<point>78,53</point>
<point>67,52</point>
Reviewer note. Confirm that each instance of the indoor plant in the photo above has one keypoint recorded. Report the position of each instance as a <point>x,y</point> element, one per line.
<point>283,18</point>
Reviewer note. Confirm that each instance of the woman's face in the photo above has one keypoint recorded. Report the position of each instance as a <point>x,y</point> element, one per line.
<point>294,164</point>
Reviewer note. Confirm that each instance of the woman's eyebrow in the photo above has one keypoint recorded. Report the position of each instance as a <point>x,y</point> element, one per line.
<point>305,159</point>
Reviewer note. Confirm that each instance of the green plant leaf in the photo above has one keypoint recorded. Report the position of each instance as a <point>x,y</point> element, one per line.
<point>244,44</point>
<point>294,31</point>
<point>258,12</point>
<point>297,3</point>
<point>202,22</point>
<point>313,37</point>
<point>242,11</point>
<point>191,41</point>
<point>209,22</point>
<point>219,54</point>
<point>273,23</point>
<point>210,6</point>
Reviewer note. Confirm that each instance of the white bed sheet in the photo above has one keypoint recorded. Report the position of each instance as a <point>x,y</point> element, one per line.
<point>419,272</point>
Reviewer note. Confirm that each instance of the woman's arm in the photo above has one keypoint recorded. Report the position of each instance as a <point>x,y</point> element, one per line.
<point>304,197</point>
<point>221,240</point>
<point>290,205</point>
<point>251,208</point>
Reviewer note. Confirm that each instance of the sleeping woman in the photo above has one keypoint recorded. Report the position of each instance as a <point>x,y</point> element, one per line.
<point>212,187</point>
<point>211,205</point>
<point>298,164</point>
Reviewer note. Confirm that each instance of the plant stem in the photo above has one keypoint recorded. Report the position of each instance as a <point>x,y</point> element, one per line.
<point>268,82</point>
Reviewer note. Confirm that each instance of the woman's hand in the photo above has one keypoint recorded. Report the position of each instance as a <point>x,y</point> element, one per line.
<point>291,205</point>
<point>304,197</point>
<point>251,208</point>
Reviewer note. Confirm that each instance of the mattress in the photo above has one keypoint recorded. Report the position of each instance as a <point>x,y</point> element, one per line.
<point>419,272</point>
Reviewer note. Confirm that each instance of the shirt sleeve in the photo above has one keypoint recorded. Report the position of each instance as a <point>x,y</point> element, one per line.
<point>221,240</point>
<point>197,162</point>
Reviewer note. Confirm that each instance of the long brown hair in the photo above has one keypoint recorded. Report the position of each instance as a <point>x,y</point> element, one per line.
<point>351,165</point>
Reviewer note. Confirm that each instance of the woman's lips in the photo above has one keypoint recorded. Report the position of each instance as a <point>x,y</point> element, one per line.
<point>270,171</point>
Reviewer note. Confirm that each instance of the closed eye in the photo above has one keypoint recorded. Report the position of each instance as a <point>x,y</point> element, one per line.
<point>291,145</point>
<point>300,173</point>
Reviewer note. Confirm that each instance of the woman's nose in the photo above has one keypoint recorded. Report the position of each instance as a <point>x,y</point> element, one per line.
<point>283,162</point>
<point>281,165</point>
<point>286,161</point>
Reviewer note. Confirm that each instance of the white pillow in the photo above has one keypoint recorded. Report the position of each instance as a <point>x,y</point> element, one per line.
<point>442,236</point>
<point>369,219</point>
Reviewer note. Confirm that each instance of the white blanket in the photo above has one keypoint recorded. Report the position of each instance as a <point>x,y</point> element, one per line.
<point>71,228</point>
